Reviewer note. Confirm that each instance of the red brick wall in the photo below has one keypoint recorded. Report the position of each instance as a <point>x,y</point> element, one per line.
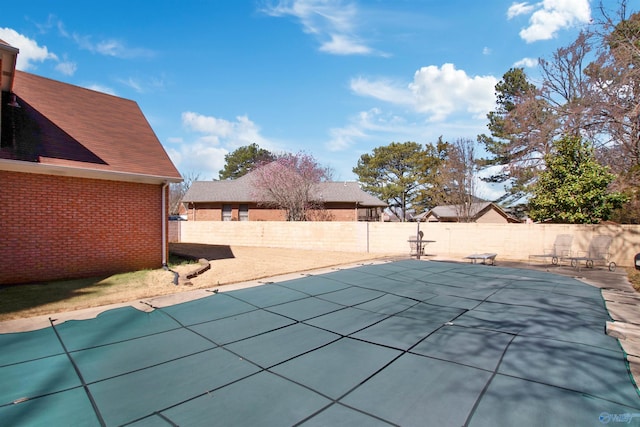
<point>213,212</point>
<point>266,214</point>
<point>55,227</point>
<point>204,212</point>
<point>174,231</point>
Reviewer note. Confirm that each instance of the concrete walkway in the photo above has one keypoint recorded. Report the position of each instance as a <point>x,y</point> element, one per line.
<point>622,302</point>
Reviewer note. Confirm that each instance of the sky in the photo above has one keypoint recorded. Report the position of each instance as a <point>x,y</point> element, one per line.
<point>331,78</point>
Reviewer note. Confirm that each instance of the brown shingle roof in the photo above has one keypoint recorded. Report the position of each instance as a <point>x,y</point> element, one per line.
<point>453,212</point>
<point>67,125</point>
<point>347,191</point>
<point>241,191</point>
<point>236,190</point>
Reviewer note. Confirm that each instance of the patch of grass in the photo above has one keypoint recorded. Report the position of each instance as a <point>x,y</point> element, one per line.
<point>30,297</point>
<point>634,278</point>
<point>176,260</point>
<point>36,299</point>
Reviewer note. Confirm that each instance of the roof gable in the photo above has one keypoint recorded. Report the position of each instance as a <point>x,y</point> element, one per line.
<point>453,212</point>
<point>70,126</point>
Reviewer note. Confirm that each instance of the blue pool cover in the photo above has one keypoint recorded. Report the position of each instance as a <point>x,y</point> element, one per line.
<point>408,343</point>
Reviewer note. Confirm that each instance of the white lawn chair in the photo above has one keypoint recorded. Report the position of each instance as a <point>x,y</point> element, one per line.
<point>561,249</point>
<point>598,252</point>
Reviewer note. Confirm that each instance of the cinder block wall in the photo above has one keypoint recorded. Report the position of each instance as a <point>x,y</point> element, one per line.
<point>451,240</point>
<point>55,227</point>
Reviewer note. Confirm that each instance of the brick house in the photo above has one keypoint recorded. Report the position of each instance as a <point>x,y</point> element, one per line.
<point>235,200</point>
<point>483,212</point>
<point>83,181</point>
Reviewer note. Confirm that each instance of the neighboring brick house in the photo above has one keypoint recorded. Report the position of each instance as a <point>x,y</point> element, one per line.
<point>485,212</point>
<point>83,181</point>
<point>235,200</point>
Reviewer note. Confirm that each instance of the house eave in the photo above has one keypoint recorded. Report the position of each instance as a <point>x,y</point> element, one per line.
<point>88,173</point>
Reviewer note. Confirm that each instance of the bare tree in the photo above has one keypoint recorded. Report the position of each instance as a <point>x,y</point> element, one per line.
<point>615,75</point>
<point>460,177</point>
<point>178,190</point>
<point>562,105</point>
<point>567,89</point>
<point>289,183</point>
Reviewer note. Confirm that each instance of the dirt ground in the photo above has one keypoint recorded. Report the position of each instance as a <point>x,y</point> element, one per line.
<point>234,264</point>
<point>230,266</point>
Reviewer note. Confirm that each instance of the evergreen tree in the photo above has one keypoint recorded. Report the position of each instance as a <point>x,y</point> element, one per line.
<point>243,160</point>
<point>395,173</point>
<point>574,186</point>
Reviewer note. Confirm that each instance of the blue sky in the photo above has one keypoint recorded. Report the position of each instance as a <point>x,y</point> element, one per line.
<point>332,78</point>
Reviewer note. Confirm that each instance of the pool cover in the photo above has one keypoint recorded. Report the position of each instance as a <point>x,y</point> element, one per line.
<point>410,343</point>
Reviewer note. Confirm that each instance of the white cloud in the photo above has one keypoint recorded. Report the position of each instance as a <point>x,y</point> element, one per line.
<point>133,84</point>
<point>376,127</point>
<point>437,92</point>
<point>109,47</point>
<point>526,63</point>
<point>67,68</point>
<point>551,16</point>
<point>489,190</point>
<point>30,52</point>
<point>363,126</point>
<point>215,138</point>
<point>517,9</point>
<point>486,51</point>
<point>209,125</point>
<point>440,92</point>
<point>101,88</point>
<point>343,138</point>
<point>457,102</point>
<point>142,85</point>
<point>383,89</point>
<point>200,158</point>
<point>344,45</point>
<point>332,22</point>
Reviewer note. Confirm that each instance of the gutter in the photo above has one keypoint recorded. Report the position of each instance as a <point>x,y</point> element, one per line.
<point>164,224</point>
<point>83,172</point>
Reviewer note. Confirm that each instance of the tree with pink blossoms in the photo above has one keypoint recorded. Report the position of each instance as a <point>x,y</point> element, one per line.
<point>289,183</point>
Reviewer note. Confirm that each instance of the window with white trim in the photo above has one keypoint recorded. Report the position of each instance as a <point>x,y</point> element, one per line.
<point>226,212</point>
<point>243,212</point>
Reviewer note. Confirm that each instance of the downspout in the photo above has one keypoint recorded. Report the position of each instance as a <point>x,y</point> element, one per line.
<point>164,224</point>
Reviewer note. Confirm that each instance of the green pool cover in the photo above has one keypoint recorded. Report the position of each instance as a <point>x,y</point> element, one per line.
<point>409,343</point>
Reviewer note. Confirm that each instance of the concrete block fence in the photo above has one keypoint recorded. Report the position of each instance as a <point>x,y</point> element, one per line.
<point>513,242</point>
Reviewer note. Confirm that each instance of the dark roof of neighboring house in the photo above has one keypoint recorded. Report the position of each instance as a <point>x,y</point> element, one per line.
<point>452,212</point>
<point>348,191</point>
<point>61,125</point>
<point>241,191</point>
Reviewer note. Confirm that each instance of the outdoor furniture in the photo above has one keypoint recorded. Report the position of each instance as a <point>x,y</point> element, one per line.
<point>487,258</point>
<point>417,245</point>
<point>561,249</point>
<point>598,252</point>
<point>415,248</point>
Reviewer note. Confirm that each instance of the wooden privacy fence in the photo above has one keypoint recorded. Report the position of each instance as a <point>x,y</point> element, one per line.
<point>451,240</point>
